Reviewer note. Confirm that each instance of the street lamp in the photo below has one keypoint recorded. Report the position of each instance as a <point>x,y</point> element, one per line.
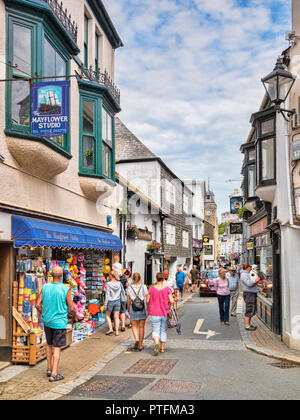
<point>278,85</point>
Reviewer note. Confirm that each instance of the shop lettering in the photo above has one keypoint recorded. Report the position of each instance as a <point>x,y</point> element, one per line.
<point>129,411</point>
<point>49,122</point>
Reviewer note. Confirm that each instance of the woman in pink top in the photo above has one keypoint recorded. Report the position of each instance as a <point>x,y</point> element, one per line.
<point>223,294</point>
<point>158,301</point>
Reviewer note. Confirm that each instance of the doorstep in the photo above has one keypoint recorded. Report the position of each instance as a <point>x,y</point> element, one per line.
<point>263,341</point>
<point>4,365</point>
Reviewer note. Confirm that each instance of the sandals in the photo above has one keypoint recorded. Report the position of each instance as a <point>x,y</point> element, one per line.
<point>141,349</point>
<point>123,329</point>
<point>109,332</point>
<point>49,372</point>
<point>156,349</point>
<point>56,378</point>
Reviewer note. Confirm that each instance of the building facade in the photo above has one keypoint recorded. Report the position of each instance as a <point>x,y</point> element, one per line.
<point>63,180</point>
<point>147,172</point>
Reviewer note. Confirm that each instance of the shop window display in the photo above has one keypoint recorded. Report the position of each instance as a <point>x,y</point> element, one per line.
<point>86,273</point>
<point>264,260</point>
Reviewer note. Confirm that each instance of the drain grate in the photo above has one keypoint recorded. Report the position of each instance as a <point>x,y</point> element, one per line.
<point>110,387</point>
<point>285,365</point>
<point>177,387</point>
<point>152,367</point>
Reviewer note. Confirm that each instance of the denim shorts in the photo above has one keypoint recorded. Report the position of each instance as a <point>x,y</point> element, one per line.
<point>159,327</point>
<point>113,306</point>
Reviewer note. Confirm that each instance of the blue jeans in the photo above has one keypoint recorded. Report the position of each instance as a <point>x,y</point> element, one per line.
<point>159,327</point>
<point>224,306</point>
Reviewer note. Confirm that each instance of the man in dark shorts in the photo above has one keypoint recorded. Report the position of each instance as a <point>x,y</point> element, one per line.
<point>194,276</point>
<point>250,296</point>
<point>53,303</point>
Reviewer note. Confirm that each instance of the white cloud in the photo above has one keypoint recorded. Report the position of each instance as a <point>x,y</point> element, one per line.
<point>190,78</point>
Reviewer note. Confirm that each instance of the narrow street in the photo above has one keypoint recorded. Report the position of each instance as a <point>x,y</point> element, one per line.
<point>193,367</point>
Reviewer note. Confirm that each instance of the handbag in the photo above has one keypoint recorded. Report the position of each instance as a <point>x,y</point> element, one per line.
<point>137,304</point>
<point>173,321</point>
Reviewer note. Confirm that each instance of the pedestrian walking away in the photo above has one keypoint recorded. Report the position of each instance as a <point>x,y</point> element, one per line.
<point>138,312</point>
<point>114,297</point>
<point>124,279</point>
<point>233,279</point>
<point>53,304</point>
<point>194,276</point>
<point>223,294</point>
<point>250,294</point>
<point>180,281</point>
<point>158,300</point>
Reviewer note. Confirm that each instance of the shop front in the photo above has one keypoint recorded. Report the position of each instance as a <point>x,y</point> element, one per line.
<point>266,258</point>
<point>85,256</point>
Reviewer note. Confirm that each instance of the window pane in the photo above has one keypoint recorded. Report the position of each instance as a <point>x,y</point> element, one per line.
<point>20,103</point>
<point>49,60</point>
<point>251,155</point>
<point>22,48</point>
<point>267,156</point>
<point>88,117</point>
<point>268,127</point>
<point>104,124</point>
<point>109,130</point>
<point>106,161</point>
<point>251,181</point>
<point>60,66</point>
<point>88,149</point>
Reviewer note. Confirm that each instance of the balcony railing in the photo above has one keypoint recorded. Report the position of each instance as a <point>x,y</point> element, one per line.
<point>102,78</point>
<point>65,19</point>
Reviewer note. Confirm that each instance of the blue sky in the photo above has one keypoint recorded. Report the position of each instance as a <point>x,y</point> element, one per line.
<point>189,75</point>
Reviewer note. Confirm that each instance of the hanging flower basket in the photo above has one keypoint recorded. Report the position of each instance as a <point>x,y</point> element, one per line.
<point>154,246</point>
<point>132,232</point>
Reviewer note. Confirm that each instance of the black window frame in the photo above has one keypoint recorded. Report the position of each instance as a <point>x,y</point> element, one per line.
<point>261,138</point>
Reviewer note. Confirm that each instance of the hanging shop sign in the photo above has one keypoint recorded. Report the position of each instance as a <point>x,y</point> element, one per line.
<point>206,239</point>
<point>296,150</point>
<point>236,228</point>
<point>50,109</point>
<point>197,244</point>
<point>236,203</point>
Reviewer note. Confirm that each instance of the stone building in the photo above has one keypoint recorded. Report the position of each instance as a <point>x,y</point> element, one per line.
<point>146,171</point>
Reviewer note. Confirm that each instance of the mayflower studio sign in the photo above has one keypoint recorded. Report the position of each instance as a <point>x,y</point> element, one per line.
<point>50,109</point>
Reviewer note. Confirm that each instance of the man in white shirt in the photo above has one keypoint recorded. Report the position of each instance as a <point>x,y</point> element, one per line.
<point>169,282</point>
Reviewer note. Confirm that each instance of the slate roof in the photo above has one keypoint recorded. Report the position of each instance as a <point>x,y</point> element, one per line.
<point>128,146</point>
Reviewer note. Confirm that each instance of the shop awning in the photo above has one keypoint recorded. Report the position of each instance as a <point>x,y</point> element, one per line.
<point>41,233</point>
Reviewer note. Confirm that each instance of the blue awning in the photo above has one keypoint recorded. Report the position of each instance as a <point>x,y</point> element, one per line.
<point>34,233</point>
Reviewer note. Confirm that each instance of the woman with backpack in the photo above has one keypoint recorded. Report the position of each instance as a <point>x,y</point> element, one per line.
<point>158,301</point>
<point>136,305</point>
<point>114,296</point>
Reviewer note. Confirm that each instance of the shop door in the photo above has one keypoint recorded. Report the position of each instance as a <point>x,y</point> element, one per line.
<point>148,270</point>
<point>6,279</point>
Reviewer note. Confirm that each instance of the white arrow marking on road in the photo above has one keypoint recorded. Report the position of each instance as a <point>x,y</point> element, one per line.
<point>208,334</point>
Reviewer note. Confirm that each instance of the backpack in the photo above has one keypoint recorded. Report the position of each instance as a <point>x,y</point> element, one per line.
<point>137,304</point>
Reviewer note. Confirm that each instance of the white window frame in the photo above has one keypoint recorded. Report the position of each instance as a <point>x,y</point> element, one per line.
<point>185,203</point>
<point>170,234</point>
<point>185,239</point>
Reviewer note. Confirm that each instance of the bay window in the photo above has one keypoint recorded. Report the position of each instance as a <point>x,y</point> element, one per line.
<point>33,51</point>
<point>96,146</point>
<point>265,149</point>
